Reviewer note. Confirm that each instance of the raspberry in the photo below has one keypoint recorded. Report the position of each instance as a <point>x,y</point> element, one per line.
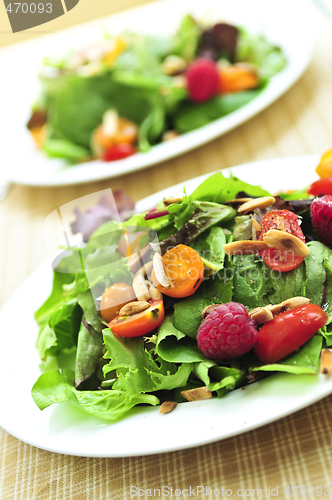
<point>227,332</point>
<point>321,216</point>
<point>202,80</point>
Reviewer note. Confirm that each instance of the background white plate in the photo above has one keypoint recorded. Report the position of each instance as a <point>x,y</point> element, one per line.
<point>283,23</point>
<point>65,429</point>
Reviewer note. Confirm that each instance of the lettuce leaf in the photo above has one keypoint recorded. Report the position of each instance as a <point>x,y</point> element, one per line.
<point>191,115</point>
<point>137,371</point>
<point>61,331</point>
<point>216,289</point>
<point>174,346</point>
<point>88,355</point>
<point>218,378</point>
<point>53,387</point>
<point>210,247</point>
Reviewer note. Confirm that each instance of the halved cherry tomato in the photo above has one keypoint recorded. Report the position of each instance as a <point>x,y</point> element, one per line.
<point>322,186</point>
<point>288,331</point>
<point>141,323</point>
<point>284,220</point>
<point>236,78</point>
<point>119,152</point>
<point>184,269</point>
<point>115,297</point>
<point>324,169</point>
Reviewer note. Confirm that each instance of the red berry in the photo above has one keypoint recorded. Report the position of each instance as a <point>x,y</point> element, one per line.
<point>202,80</point>
<point>321,216</point>
<point>118,152</point>
<point>227,332</point>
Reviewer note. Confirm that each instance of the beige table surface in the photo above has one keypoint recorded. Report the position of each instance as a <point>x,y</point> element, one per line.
<point>293,451</point>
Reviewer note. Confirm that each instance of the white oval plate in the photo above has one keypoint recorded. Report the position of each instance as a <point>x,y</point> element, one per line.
<point>65,429</point>
<point>25,165</point>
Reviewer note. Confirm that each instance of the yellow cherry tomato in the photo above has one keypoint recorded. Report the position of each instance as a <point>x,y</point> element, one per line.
<point>324,168</point>
<point>115,297</point>
<point>184,269</point>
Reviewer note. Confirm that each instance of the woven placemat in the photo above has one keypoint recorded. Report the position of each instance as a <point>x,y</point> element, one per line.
<point>294,451</point>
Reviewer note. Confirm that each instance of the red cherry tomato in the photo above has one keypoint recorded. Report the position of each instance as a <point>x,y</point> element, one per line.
<point>119,152</point>
<point>288,331</point>
<point>284,220</point>
<point>322,186</point>
<point>141,323</point>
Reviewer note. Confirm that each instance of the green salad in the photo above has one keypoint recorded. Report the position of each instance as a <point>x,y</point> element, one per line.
<point>129,92</point>
<point>168,346</point>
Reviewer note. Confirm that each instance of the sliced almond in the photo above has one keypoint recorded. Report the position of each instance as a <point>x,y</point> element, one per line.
<point>136,260</point>
<point>154,292</point>
<point>170,135</point>
<point>180,82</point>
<point>197,394</point>
<point>326,362</point>
<point>159,269</point>
<point>245,247</point>
<point>169,201</point>
<point>250,206</point>
<point>173,65</point>
<point>110,122</point>
<point>167,406</point>
<point>134,307</point>
<point>261,315</point>
<point>256,229</point>
<point>140,288</point>
<point>237,201</point>
<point>288,304</point>
<point>286,242</point>
<point>208,309</point>
<point>145,270</point>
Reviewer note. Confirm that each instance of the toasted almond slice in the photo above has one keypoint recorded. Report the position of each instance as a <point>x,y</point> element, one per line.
<point>173,65</point>
<point>145,270</point>
<point>134,307</point>
<point>169,201</point>
<point>197,394</point>
<point>159,269</point>
<point>136,259</point>
<point>250,206</point>
<point>208,309</point>
<point>256,229</point>
<point>237,201</point>
<point>140,288</point>
<point>180,82</point>
<point>288,304</point>
<point>154,292</point>
<point>286,242</point>
<point>245,247</point>
<point>110,122</point>
<point>167,406</point>
<point>261,315</point>
<point>326,362</point>
<point>170,135</point>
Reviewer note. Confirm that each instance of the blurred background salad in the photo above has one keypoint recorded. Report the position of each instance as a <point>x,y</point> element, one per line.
<point>126,93</point>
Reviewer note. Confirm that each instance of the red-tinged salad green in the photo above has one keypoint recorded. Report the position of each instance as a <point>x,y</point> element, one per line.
<point>129,92</point>
<point>235,290</point>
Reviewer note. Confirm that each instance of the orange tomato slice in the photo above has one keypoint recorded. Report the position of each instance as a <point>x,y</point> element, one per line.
<point>141,323</point>
<point>184,269</point>
<point>324,169</point>
<point>237,78</point>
